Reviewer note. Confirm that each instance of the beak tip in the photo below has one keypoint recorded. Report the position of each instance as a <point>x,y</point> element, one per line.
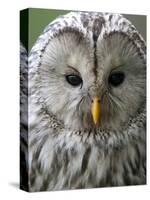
<point>95,122</point>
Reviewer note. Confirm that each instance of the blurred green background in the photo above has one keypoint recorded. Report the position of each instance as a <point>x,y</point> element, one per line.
<point>40,18</point>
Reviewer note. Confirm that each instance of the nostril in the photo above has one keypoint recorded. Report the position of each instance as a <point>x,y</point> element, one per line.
<point>96,99</point>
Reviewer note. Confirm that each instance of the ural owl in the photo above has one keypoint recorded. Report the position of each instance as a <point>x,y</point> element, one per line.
<point>87,97</point>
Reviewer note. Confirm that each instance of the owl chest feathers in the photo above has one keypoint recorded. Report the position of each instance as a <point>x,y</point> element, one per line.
<point>62,160</point>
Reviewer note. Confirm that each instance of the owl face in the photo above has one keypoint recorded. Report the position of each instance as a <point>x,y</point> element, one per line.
<point>90,83</point>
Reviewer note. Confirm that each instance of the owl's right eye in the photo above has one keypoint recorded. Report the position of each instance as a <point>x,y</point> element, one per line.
<point>74,80</point>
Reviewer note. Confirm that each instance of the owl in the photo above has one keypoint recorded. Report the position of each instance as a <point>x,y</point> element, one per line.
<point>23,117</point>
<point>87,104</point>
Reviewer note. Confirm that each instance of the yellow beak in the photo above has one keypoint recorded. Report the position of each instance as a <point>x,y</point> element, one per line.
<point>95,109</point>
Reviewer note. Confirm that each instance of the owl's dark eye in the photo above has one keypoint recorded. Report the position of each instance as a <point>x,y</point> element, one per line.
<point>116,78</point>
<point>74,80</point>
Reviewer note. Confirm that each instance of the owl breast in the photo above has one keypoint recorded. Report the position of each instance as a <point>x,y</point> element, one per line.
<point>69,162</point>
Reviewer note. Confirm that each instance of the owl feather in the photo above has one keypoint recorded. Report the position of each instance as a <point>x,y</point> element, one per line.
<point>80,57</point>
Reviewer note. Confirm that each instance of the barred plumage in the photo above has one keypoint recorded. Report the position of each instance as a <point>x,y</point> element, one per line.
<point>66,150</point>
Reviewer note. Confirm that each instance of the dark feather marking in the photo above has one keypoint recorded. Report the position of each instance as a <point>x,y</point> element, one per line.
<point>46,182</point>
<point>32,178</point>
<point>85,159</point>
<point>74,179</point>
<point>126,179</point>
<point>97,27</point>
<point>66,161</point>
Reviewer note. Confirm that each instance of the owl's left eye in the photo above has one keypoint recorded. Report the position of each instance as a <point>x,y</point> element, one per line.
<point>74,80</point>
<point>115,79</point>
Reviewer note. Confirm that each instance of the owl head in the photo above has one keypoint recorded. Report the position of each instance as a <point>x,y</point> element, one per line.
<point>89,69</point>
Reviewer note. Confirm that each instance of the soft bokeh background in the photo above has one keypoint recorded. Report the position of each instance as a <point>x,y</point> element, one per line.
<point>39,18</point>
